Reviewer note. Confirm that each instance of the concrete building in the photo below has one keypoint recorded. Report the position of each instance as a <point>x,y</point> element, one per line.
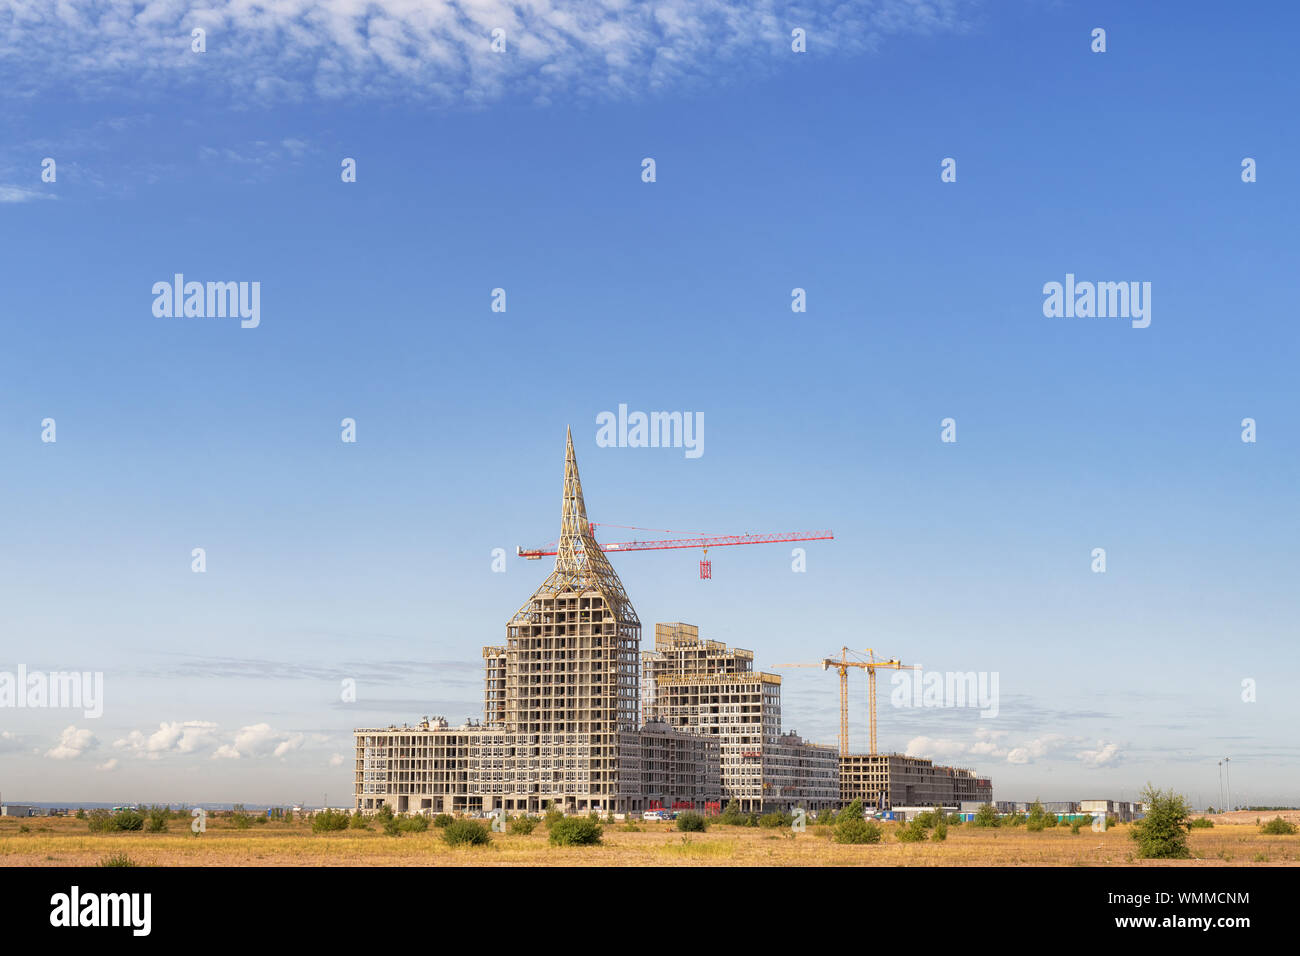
<point>1123,811</point>
<point>885,781</point>
<point>705,688</point>
<point>21,810</point>
<point>561,710</point>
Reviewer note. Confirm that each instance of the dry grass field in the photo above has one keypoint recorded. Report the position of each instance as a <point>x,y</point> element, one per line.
<point>60,841</point>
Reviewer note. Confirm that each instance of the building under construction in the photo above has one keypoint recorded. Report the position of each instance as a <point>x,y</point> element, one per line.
<point>885,781</point>
<point>563,706</point>
<point>562,723</point>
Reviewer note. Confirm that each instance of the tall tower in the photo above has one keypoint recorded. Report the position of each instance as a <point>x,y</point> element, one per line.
<point>573,655</point>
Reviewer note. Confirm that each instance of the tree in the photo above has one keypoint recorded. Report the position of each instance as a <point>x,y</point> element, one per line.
<point>1162,833</point>
<point>731,815</point>
<point>985,816</point>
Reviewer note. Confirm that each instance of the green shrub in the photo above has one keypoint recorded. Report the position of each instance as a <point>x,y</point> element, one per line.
<point>940,832</point>
<point>575,831</point>
<point>692,823</point>
<point>443,820</point>
<point>128,820</point>
<point>118,859</point>
<point>357,821</point>
<point>416,824</point>
<point>1278,827</point>
<point>157,819</point>
<point>911,832</point>
<point>384,813</point>
<point>81,813</point>
<point>466,833</point>
<point>1162,833</point>
<point>392,827</point>
<point>856,830</point>
<point>985,816</point>
<point>241,819</point>
<point>774,821</point>
<point>553,816</point>
<point>1201,823</point>
<point>854,810</point>
<point>522,825</point>
<point>327,821</point>
<point>731,815</point>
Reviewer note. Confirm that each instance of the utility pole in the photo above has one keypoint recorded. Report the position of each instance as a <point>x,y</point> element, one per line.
<point>1227,770</point>
<point>1221,784</point>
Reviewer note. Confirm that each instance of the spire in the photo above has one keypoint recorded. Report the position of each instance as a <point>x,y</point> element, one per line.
<point>576,541</point>
<point>580,564</point>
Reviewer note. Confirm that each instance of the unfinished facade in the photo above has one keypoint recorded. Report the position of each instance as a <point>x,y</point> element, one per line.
<point>706,689</point>
<point>884,781</point>
<point>561,721</point>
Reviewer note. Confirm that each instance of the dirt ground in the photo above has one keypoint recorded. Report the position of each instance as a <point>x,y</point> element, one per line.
<point>61,841</point>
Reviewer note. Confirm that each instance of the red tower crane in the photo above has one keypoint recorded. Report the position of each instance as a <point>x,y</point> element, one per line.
<point>699,541</point>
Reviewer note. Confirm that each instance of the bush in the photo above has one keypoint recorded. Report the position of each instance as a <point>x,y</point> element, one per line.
<point>1201,823</point>
<point>940,832</point>
<point>118,859</point>
<point>856,830</point>
<point>81,813</point>
<point>911,833</point>
<point>466,833</point>
<point>357,821</point>
<point>553,816</point>
<point>384,813</point>
<point>443,820</point>
<point>128,820</point>
<point>241,819</point>
<point>328,821</point>
<point>415,824</point>
<point>692,823</point>
<point>1277,827</point>
<point>985,816</point>
<point>1162,833</point>
<point>576,831</point>
<point>392,827</point>
<point>853,810</point>
<point>157,819</point>
<point>774,821</point>
<point>731,815</point>
<point>522,825</point>
<point>826,817</point>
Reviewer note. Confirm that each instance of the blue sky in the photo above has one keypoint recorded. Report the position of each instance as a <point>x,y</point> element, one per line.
<point>775,170</point>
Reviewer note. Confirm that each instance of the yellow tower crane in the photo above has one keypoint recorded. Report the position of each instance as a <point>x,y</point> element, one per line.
<point>842,665</point>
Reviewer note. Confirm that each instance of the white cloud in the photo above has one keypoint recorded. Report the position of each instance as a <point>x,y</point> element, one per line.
<point>72,743</point>
<point>110,764</point>
<point>345,48</point>
<point>337,760</point>
<point>177,737</point>
<point>259,740</point>
<point>1106,755</point>
<point>21,194</point>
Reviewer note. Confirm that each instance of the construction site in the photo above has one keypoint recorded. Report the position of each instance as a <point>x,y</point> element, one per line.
<point>576,716</point>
